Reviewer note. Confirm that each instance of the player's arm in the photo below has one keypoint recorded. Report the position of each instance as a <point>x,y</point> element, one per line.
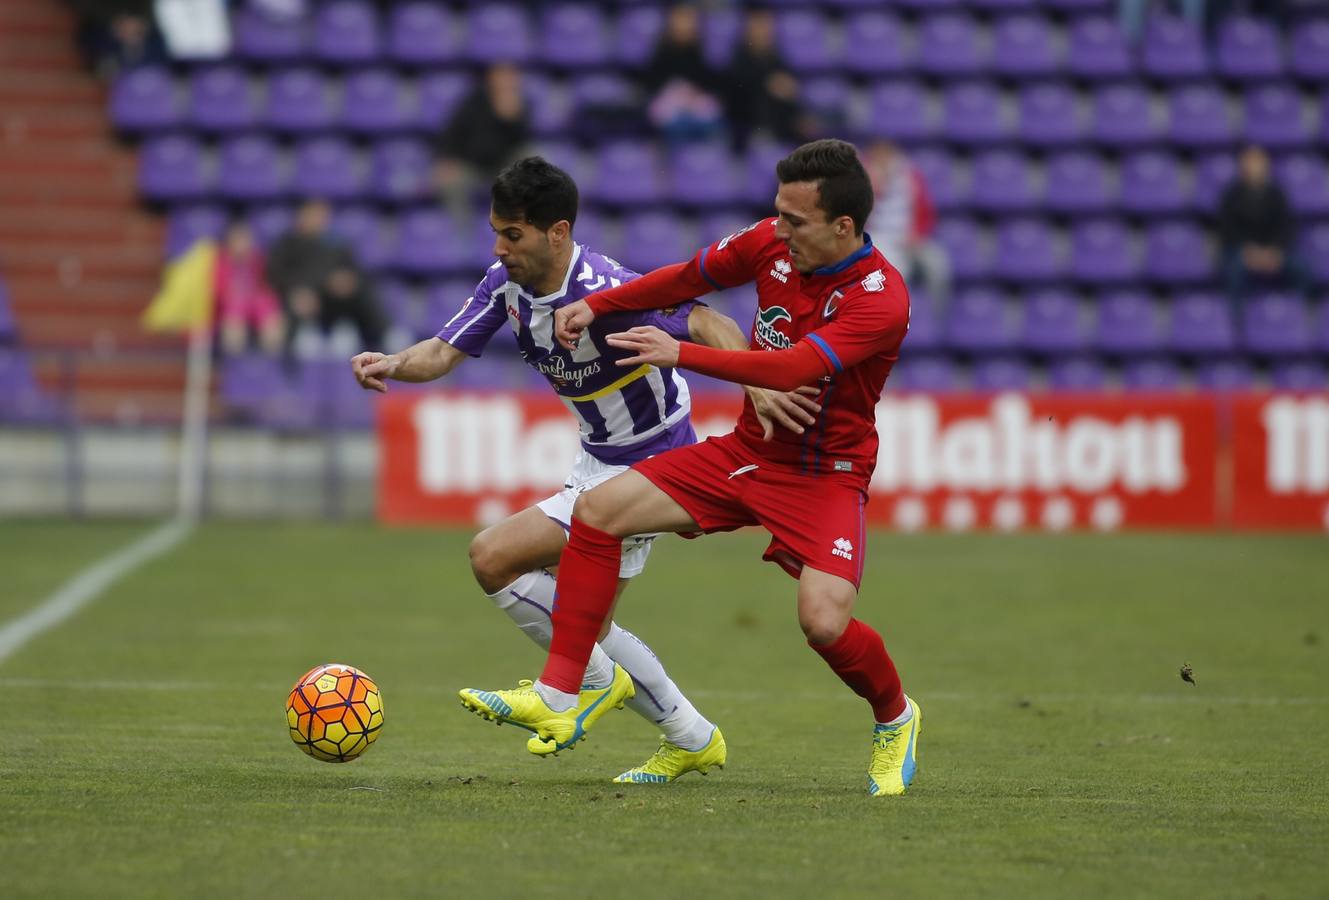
<point>430,359</point>
<point>791,410</point>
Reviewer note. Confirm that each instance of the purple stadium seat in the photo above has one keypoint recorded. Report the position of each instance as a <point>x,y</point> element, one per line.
<point>592,231</point>
<point>1003,182</point>
<point>441,301</point>
<point>925,373</point>
<point>951,46</point>
<point>1315,246</point>
<point>1249,48</point>
<point>828,96</point>
<point>1276,117</point>
<point>251,168</point>
<point>628,173</point>
<point>946,180</point>
<point>23,399</point>
<point>400,304</point>
<point>1053,323</point>
<point>712,226</point>
<point>345,32</point>
<point>1097,50</point>
<point>1310,50</point>
<point>188,224</point>
<point>703,175</point>
<point>1000,373</point>
<point>886,35</point>
<point>1199,116</point>
<point>1277,325</point>
<point>602,89</point>
<point>265,38</point>
<point>1200,326</point>
<point>1224,375</point>
<point>1025,47</point>
<point>759,172</point>
<point>400,170</point>
<point>1005,5</point>
<point>574,36</point>
<point>637,34</point>
<point>498,31</point>
<point>300,100</point>
<point>1158,374</point>
<point>1298,375</point>
<point>974,113</point>
<point>222,99</point>
<point>549,102</point>
<point>1077,183</point>
<point>968,247</point>
<point>269,222</point>
<point>1177,253</point>
<point>568,158</point>
<point>1305,179</point>
<point>924,328</point>
<point>721,29</point>
<point>438,94</point>
<point>1123,116</point>
<point>369,238</point>
<point>1128,324</point>
<point>1028,250</point>
<point>428,244</point>
<point>1103,252</point>
<point>422,33</point>
<point>1050,115</point>
<point>806,41</point>
<point>173,168</point>
<point>1322,328</point>
<point>655,239</point>
<point>930,5</point>
<point>1213,173</point>
<point>246,380</point>
<point>145,99</point>
<point>1324,114</point>
<point>1153,183</point>
<point>900,110</point>
<point>327,167</point>
<point>981,321</point>
<point>1173,50</point>
<point>1077,373</point>
<point>374,102</point>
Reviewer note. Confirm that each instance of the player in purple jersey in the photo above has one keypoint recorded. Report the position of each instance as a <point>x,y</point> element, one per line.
<point>624,417</point>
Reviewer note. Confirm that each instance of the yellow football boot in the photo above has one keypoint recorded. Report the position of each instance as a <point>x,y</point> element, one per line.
<point>671,761</point>
<point>894,755</point>
<point>554,731</point>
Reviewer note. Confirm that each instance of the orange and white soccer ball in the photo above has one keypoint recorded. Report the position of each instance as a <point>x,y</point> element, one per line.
<point>334,712</point>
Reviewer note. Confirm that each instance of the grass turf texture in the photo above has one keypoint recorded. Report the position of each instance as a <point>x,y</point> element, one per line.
<point>144,750</point>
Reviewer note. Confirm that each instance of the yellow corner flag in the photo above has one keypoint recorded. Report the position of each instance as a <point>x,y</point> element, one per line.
<point>184,302</point>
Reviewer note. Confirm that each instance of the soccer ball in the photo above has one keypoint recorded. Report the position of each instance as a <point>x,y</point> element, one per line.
<point>334,712</point>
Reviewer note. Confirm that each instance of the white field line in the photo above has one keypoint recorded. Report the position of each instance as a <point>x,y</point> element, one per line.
<point>88,585</point>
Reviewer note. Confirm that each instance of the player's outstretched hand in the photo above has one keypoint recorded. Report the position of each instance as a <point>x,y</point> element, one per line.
<point>652,346</point>
<point>371,369</point>
<point>570,321</point>
<point>788,409</point>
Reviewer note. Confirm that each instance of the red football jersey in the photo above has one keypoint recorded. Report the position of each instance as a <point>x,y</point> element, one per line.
<point>854,313</point>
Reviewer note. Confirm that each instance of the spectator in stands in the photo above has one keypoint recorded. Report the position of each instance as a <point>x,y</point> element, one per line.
<point>245,302</point>
<point>761,92</point>
<point>683,91</point>
<point>488,131</point>
<point>903,220</point>
<point>318,280</point>
<point>1132,13</point>
<point>115,35</point>
<point>1258,232</point>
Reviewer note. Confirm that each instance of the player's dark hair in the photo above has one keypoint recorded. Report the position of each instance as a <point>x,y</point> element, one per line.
<point>843,186</point>
<point>536,191</point>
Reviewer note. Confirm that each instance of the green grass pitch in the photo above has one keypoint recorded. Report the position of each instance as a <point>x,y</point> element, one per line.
<point>143,749</point>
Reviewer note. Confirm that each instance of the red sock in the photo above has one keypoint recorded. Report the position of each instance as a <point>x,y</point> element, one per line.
<point>587,580</point>
<point>859,657</point>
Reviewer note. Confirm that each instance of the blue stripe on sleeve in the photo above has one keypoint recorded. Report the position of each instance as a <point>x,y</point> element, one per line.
<point>704,274</point>
<point>826,348</point>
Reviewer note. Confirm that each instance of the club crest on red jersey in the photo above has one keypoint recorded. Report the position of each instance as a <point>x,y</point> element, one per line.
<point>832,304</point>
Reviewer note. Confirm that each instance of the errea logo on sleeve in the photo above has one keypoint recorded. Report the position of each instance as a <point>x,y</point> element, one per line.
<point>876,281</point>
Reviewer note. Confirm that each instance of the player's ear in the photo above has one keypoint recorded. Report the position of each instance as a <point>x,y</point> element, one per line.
<point>559,232</point>
<point>844,227</point>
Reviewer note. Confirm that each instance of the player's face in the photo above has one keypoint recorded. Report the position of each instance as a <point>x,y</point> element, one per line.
<point>522,248</point>
<point>813,239</point>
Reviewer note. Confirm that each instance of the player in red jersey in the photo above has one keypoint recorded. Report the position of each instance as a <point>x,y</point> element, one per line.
<point>832,312</point>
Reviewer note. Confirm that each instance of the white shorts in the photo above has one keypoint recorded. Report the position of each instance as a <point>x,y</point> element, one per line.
<point>587,472</point>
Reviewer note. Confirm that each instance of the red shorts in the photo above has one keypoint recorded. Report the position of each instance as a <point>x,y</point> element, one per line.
<point>815,520</point>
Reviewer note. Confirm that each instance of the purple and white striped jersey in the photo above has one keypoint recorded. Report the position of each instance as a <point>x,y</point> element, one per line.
<point>625,415</point>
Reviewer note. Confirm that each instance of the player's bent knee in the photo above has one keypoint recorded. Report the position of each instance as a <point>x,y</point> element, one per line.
<point>488,564</point>
<point>823,624</point>
<point>591,509</point>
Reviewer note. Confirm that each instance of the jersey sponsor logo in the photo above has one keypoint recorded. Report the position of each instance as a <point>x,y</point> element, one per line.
<point>513,313</point>
<point>875,281</point>
<point>742,231</point>
<point>843,549</point>
<point>768,335</point>
<point>557,370</point>
<point>832,304</point>
<point>843,465</point>
<point>781,271</point>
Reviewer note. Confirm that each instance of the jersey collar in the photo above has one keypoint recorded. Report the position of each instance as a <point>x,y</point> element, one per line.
<point>848,261</point>
<point>567,277</point>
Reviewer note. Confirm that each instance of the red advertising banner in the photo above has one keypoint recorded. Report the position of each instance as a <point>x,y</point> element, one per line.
<point>1280,446</point>
<point>1008,462</point>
